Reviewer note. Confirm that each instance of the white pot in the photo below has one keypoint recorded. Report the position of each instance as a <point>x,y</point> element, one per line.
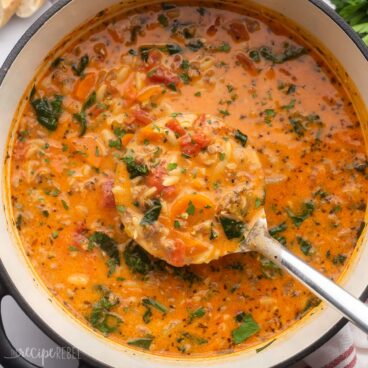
<point>15,272</point>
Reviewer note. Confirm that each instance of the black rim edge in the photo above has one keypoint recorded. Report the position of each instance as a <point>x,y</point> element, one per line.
<point>4,276</point>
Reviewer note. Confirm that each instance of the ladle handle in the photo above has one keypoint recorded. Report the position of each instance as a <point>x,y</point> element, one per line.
<point>352,308</point>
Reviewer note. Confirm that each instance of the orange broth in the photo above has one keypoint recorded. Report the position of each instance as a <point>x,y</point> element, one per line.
<point>262,78</point>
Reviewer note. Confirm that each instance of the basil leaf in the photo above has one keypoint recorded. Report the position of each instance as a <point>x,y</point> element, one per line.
<point>247,328</point>
<point>47,111</point>
<point>134,168</point>
<point>290,52</point>
<point>193,338</point>
<point>308,208</point>
<point>155,304</point>
<point>305,246</point>
<point>232,228</point>
<point>152,214</point>
<point>241,137</point>
<point>144,342</point>
<point>278,229</point>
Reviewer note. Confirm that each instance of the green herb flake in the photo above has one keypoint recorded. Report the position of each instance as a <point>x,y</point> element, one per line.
<point>152,214</point>
<point>163,20</point>
<point>143,343</point>
<point>190,209</point>
<point>155,304</point>
<point>247,328</point>
<point>172,166</point>
<point>65,205</point>
<point>305,246</point>
<point>232,228</point>
<point>79,69</point>
<point>134,168</point>
<point>241,137</point>
<point>298,219</point>
<point>198,313</point>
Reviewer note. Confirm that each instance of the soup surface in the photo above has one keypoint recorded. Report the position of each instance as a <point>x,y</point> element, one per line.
<point>262,79</point>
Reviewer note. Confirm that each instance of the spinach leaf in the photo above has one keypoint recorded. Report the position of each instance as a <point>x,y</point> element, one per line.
<point>192,338</point>
<point>241,137</point>
<point>247,328</point>
<point>269,269</point>
<point>308,208</point>
<point>155,304</point>
<point>81,117</point>
<point>144,342</point>
<point>109,246</point>
<point>186,274</point>
<point>100,317</point>
<point>289,52</point>
<point>198,313</point>
<point>134,168</point>
<point>47,111</point>
<point>195,45</point>
<point>297,125</point>
<point>137,259</point>
<point>305,246</point>
<point>232,228</point>
<point>152,214</point>
<point>82,65</point>
<point>147,315</point>
<point>278,229</point>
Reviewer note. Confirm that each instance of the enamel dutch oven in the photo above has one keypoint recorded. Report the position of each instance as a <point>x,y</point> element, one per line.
<point>16,276</point>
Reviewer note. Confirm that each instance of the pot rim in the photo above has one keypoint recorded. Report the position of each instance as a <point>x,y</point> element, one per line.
<point>7,281</point>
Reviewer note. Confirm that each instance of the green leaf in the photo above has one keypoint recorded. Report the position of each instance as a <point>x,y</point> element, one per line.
<point>170,48</point>
<point>290,52</point>
<point>134,168</point>
<point>108,245</point>
<point>172,166</point>
<point>163,20</point>
<point>190,209</point>
<point>155,304</point>
<point>143,343</point>
<point>305,246</point>
<point>82,65</point>
<point>152,214</point>
<point>137,259</point>
<point>81,117</point>
<point>232,228</point>
<point>241,137</point>
<point>195,45</point>
<point>198,313</point>
<point>278,229</point>
<point>48,111</point>
<point>193,338</point>
<point>248,328</point>
<point>307,210</point>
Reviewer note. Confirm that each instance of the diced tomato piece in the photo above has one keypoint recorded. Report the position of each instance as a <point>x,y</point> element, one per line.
<point>154,57</point>
<point>78,237</point>
<point>177,255</point>
<point>108,200</point>
<point>247,64</point>
<point>141,116</point>
<point>155,179</point>
<point>163,75</point>
<point>200,121</point>
<point>175,126</point>
<point>193,145</point>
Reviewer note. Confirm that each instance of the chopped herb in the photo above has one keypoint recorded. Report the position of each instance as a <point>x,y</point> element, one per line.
<point>170,48</point>
<point>290,52</point>
<point>147,314</point>
<point>254,55</point>
<point>198,94</point>
<point>82,65</point>
<point>52,192</point>
<point>213,233</point>
<point>100,317</point>
<point>143,343</point>
<point>258,202</point>
<point>339,259</point>
<point>172,86</point>
<point>289,106</point>
<point>154,304</point>
<point>198,313</point>
<point>185,78</point>
<point>119,132</point>
<point>193,338</point>
<point>297,125</point>
<point>163,20</point>
<point>47,111</point>
<point>278,229</point>
<point>73,249</point>
<point>269,114</point>
<point>224,112</point>
<point>172,166</point>
<point>108,245</point>
<point>269,269</point>
<point>241,137</point>
<point>121,208</point>
<point>18,222</point>
<point>195,45</point>
<point>152,214</point>
<point>185,64</point>
<point>307,210</point>
<point>177,224</point>
<point>224,47</point>
<point>134,168</point>
<point>115,143</point>
<point>190,209</point>
<point>55,234</point>
<point>65,205</point>
<point>44,213</point>
<point>56,62</point>
<point>201,11</point>
<point>305,246</point>
<point>248,328</point>
<point>137,259</point>
<point>232,228</point>
<point>81,117</point>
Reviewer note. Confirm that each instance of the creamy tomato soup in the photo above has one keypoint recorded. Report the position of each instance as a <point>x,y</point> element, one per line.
<point>272,89</point>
